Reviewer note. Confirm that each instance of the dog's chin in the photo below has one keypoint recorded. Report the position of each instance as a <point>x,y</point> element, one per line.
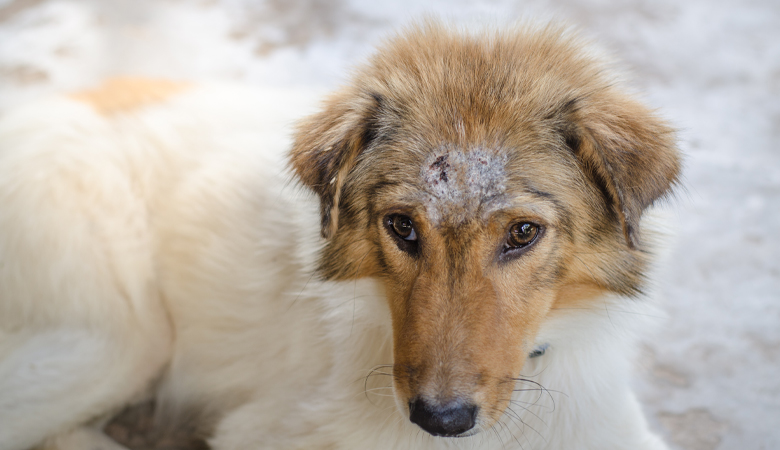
<point>476,430</point>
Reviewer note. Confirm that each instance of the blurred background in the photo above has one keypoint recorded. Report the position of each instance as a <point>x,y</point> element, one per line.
<point>710,377</point>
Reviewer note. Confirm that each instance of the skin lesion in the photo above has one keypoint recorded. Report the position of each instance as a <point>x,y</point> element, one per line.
<point>457,181</point>
<point>118,95</point>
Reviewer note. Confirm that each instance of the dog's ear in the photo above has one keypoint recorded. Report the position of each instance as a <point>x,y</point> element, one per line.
<point>628,152</point>
<point>326,146</point>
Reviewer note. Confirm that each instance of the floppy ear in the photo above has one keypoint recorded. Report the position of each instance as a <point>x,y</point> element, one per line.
<point>326,146</point>
<point>630,154</point>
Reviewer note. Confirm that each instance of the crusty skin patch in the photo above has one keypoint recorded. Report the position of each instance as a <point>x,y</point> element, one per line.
<point>458,182</point>
<point>119,95</point>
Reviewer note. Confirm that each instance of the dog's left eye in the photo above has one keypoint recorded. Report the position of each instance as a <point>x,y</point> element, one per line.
<point>521,235</point>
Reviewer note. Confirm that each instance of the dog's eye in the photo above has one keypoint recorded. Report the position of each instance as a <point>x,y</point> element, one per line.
<point>521,234</point>
<point>403,227</point>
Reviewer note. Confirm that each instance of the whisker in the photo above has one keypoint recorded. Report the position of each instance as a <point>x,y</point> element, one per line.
<point>515,417</point>
<point>542,390</point>
<point>502,427</point>
<point>507,427</point>
<point>517,421</point>
<point>375,371</point>
<point>493,429</point>
<point>525,424</point>
<point>516,403</point>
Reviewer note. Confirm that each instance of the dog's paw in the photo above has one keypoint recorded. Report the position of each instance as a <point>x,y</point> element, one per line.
<point>83,438</point>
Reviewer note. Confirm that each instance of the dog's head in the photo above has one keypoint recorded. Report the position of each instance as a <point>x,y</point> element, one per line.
<point>485,179</point>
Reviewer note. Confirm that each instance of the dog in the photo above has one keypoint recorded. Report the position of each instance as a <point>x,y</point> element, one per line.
<point>448,252</point>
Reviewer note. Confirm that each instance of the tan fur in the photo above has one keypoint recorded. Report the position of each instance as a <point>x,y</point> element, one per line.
<point>580,158</point>
<point>118,95</point>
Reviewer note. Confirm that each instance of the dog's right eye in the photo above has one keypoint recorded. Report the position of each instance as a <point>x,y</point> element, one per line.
<point>403,227</point>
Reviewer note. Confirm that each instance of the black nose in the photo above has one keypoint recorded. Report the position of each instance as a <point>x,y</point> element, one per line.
<point>450,419</point>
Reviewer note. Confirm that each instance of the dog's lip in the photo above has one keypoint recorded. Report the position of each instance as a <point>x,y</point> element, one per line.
<point>477,429</point>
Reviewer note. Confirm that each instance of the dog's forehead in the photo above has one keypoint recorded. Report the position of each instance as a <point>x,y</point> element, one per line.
<point>457,181</point>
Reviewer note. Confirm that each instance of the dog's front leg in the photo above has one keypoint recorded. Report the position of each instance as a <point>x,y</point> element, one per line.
<point>52,382</point>
<point>82,438</point>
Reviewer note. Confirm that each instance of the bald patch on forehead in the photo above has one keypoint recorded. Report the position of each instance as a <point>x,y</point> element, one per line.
<point>458,182</point>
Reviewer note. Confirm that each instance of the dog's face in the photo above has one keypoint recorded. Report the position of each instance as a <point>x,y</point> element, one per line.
<point>485,181</point>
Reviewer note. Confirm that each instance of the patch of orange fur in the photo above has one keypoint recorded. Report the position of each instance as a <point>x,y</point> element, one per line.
<point>119,95</point>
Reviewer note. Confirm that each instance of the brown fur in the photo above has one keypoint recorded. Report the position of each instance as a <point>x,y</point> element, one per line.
<point>119,95</point>
<point>467,135</point>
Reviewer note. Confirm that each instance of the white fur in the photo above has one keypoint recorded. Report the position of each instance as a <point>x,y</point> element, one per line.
<point>167,249</point>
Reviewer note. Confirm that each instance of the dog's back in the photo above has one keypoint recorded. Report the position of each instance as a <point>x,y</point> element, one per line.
<point>112,198</point>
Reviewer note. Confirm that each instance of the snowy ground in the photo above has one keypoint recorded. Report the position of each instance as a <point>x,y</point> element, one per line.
<point>712,67</point>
